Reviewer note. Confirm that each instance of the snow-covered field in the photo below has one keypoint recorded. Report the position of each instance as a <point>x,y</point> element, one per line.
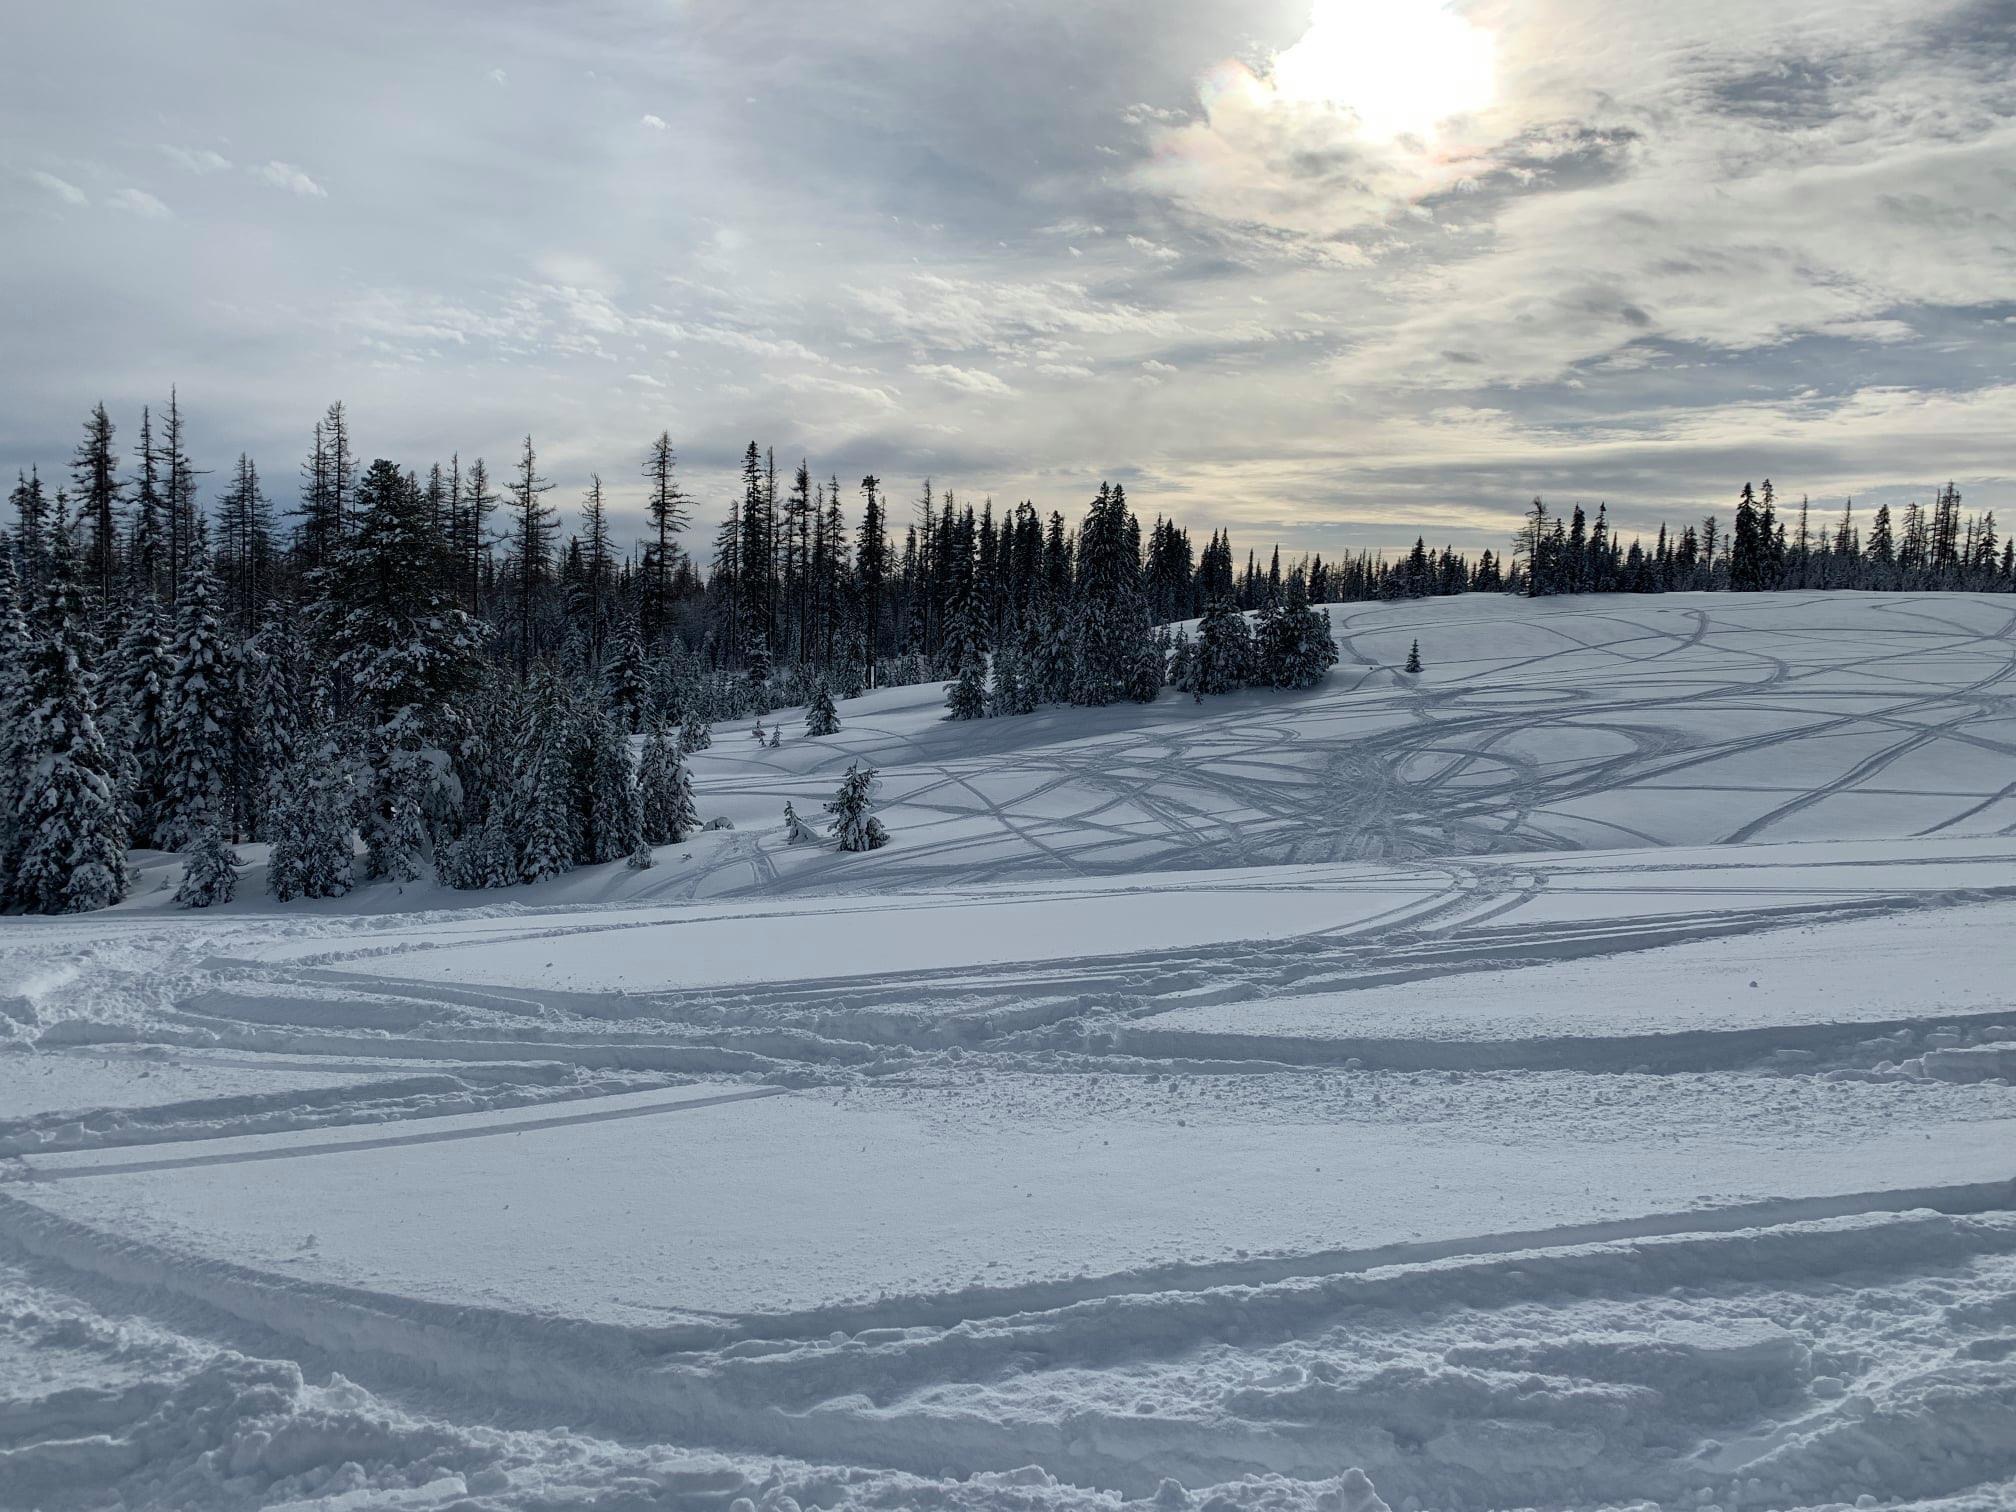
<point>1577,1076</point>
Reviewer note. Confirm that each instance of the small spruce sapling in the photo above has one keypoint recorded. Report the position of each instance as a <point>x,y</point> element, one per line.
<point>854,825</point>
<point>796,830</point>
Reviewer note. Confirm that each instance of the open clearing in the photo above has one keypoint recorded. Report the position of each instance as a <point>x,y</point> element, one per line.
<point>1578,1076</point>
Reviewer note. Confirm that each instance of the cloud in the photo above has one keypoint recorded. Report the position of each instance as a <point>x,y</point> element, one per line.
<point>64,190</point>
<point>138,202</point>
<point>197,160</point>
<point>279,175</point>
<point>967,380</point>
<point>1678,246</point>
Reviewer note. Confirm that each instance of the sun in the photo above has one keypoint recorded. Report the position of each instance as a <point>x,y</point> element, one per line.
<point>1401,67</point>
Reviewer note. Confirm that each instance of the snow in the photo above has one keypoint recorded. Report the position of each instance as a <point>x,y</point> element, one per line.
<point>897,1197</point>
<point>1336,1099</point>
<point>1792,987</point>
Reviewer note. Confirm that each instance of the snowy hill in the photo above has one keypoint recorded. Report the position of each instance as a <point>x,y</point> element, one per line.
<point>1575,1074</point>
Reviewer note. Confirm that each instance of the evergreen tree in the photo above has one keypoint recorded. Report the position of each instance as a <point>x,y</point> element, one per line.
<point>966,695</point>
<point>1011,693</point>
<point>855,826</point>
<point>612,815</point>
<point>14,655</point>
<point>95,472</point>
<point>196,758</point>
<point>1112,617</point>
<point>409,653</point>
<point>309,818</point>
<point>667,509</point>
<point>624,680</point>
<point>70,829</point>
<point>531,548</point>
<point>543,816</point>
<point>871,566</point>
<point>1295,647</point>
<point>821,718</point>
<point>209,871</point>
<point>140,712</point>
<point>665,792</point>
<point>1223,657</point>
<point>796,830</point>
<point>31,526</point>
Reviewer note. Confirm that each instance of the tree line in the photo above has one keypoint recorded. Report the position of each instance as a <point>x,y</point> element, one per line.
<point>405,672</point>
<point>1925,549</point>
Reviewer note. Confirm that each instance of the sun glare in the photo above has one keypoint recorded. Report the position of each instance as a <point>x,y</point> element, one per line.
<point>1400,66</point>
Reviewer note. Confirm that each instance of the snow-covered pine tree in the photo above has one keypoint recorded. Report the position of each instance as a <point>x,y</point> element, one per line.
<point>821,718</point>
<point>1414,657</point>
<point>1294,646</point>
<point>209,870</point>
<point>409,654</point>
<point>612,815</point>
<point>486,857</point>
<point>854,825</point>
<point>1112,618</point>
<point>276,720</point>
<point>200,683</point>
<point>625,679</point>
<point>966,695</point>
<point>1010,693</point>
<point>139,714</point>
<point>796,830</point>
<point>70,843</point>
<point>1055,652</point>
<point>1180,651</point>
<point>1221,660</point>
<point>309,814</point>
<point>1149,669</point>
<point>13,715</point>
<point>665,791</point>
<point>546,818</point>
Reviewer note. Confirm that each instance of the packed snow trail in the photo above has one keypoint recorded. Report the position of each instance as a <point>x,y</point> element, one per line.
<point>1577,1075</point>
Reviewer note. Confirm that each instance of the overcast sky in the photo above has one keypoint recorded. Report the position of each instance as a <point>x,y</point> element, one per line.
<point>1326,278</point>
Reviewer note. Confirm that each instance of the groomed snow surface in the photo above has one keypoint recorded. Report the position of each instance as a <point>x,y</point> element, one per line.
<point>1577,1076</point>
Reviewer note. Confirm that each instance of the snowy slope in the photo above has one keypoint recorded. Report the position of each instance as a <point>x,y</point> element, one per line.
<point>1577,1076</point>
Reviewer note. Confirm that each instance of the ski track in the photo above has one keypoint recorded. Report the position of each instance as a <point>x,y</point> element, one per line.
<point>1631,778</point>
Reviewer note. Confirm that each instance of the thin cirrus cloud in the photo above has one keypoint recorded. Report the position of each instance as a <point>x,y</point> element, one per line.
<point>1275,261</point>
<point>63,189</point>
<point>137,202</point>
<point>279,175</point>
<point>197,160</point>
